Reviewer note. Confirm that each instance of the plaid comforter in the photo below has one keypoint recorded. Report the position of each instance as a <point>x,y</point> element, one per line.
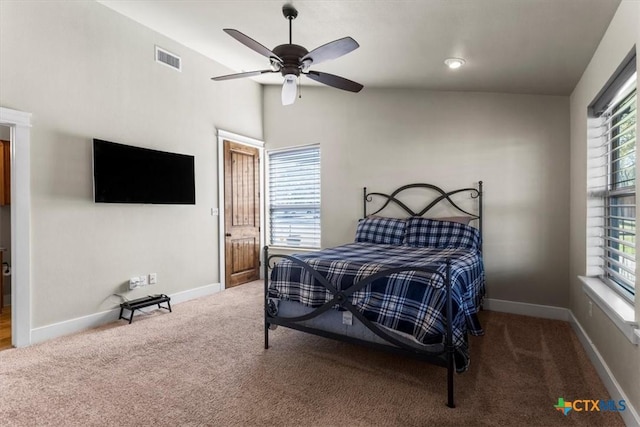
<point>411,302</point>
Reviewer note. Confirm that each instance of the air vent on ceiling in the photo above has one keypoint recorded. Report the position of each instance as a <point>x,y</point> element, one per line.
<point>169,59</point>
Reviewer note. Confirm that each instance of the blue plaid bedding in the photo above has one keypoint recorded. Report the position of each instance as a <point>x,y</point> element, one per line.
<point>385,231</point>
<point>411,302</point>
<point>432,233</point>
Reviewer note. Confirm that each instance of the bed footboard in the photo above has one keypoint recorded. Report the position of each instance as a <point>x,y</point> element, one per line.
<point>341,298</point>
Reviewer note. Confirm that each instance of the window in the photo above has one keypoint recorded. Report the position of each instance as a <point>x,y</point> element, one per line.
<point>294,197</point>
<point>612,182</point>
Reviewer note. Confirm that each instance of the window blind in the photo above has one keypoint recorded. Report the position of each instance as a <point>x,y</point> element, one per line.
<point>612,188</point>
<point>294,197</point>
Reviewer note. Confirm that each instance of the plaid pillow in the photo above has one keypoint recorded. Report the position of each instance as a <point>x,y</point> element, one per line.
<point>384,231</point>
<point>430,233</point>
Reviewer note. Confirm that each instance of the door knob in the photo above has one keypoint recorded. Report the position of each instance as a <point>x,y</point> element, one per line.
<point>228,234</point>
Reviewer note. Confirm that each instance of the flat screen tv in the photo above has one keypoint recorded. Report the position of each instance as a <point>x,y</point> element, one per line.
<point>127,174</point>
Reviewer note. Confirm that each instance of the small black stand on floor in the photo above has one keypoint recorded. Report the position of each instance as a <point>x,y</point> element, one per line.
<point>147,301</point>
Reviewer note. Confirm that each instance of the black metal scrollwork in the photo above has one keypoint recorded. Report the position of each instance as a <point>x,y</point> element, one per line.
<point>341,299</point>
<point>444,195</point>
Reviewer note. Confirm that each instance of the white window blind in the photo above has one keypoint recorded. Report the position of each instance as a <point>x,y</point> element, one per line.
<point>612,189</point>
<point>294,197</point>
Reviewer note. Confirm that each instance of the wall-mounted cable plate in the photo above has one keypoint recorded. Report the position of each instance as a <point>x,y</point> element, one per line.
<point>134,283</point>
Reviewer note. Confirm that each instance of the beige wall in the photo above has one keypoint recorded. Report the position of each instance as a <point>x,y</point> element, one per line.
<point>85,71</point>
<point>517,144</point>
<point>622,357</point>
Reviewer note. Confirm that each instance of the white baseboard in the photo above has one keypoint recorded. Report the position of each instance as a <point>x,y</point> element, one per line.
<point>55,330</point>
<point>195,293</point>
<point>526,309</point>
<point>45,333</point>
<point>630,415</point>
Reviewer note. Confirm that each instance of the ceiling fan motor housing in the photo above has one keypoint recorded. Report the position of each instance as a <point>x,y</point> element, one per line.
<point>291,55</point>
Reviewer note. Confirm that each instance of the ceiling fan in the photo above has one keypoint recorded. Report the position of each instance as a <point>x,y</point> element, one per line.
<point>292,60</point>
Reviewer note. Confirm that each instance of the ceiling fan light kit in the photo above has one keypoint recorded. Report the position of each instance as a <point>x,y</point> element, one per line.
<point>289,89</point>
<point>292,60</point>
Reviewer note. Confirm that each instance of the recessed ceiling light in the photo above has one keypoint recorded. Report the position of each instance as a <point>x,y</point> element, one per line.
<point>454,63</point>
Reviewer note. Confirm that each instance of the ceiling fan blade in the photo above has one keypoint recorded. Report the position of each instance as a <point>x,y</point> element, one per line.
<point>335,81</point>
<point>331,50</point>
<point>240,75</point>
<point>251,43</point>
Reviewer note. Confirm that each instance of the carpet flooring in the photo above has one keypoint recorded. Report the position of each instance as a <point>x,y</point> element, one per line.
<point>205,365</point>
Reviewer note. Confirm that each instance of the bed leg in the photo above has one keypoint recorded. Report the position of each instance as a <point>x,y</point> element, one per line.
<point>449,339</point>
<point>450,369</point>
<point>265,261</point>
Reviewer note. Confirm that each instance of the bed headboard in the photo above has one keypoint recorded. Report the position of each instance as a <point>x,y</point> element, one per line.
<point>395,199</point>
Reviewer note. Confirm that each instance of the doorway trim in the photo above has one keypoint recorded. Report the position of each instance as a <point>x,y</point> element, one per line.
<point>244,140</point>
<point>19,123</point>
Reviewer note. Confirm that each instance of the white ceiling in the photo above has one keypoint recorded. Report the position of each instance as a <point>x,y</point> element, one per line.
<point>513,46</point>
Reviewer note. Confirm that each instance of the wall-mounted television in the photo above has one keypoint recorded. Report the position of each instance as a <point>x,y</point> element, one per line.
<point>128,174</point>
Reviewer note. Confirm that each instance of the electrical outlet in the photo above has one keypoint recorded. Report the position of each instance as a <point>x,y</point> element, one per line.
<point>134,283</point>
<point>143,280</point>
<point>153,278</point>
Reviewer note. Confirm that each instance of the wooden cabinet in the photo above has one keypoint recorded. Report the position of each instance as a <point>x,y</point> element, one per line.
<point>5,173</point>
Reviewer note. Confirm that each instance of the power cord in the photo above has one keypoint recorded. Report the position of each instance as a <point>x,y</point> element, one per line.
<point>122,297</point>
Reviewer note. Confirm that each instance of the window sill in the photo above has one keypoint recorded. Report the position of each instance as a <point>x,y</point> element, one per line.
<point>616,307</point>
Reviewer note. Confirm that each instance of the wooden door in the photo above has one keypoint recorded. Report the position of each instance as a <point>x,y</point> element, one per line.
<point>5,173</point>
<point>241,213</point>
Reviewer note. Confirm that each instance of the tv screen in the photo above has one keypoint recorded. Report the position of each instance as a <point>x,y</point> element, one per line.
<point>127,174</point>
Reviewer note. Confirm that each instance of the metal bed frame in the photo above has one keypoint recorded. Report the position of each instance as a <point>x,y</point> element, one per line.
<point>444,358</point>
